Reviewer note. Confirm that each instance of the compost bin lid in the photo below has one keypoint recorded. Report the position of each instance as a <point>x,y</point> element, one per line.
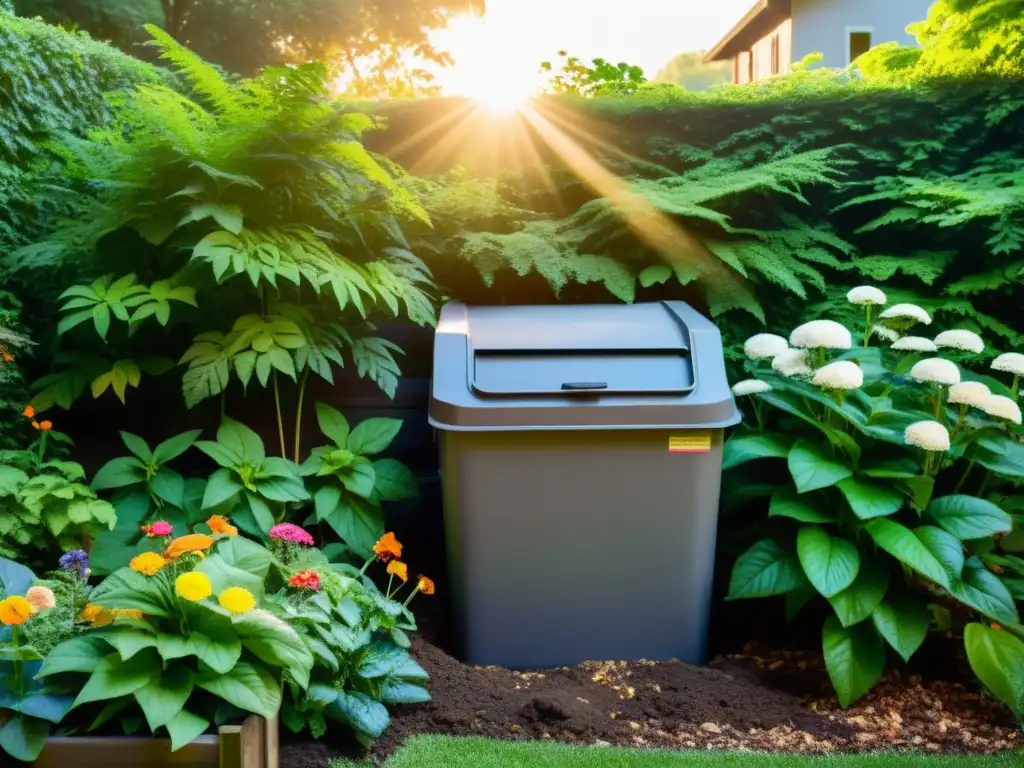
<point>641,366</point>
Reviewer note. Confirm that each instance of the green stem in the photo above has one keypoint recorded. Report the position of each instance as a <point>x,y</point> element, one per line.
<point>16,665</point>
<point>963,477</point>
<point>391,579</point>
<point>757,414</point>
<point>42,446</point>
<point>362,571</point>
<point>280,420</point>
<point>984,485</point>
<point>298,414</point>
<point>821,357</point>
<point>867,326</point>
<point>938,405</point>
<point>960,419</point>
<point>1016,386</point>
<point>415,591</point>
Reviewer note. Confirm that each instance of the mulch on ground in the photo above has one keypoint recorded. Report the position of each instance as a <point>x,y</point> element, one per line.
<point>770,702</point>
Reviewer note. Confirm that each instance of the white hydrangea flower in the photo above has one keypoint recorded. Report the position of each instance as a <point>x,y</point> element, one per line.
<point>972,393</point>
<point>765,346</point>
<point>842,374</point>
<point>968,341</point>
<point>792,362</point>
<point>929,435</point>
<point>751,387</point>
<point>937,371</point>
<point>1002,408</point>
<point>866,294</point>
<point>885,334</point>
<point>1010,362</point>
<point>915,344</point>
<point>821,333</point>
<point>907,312</point>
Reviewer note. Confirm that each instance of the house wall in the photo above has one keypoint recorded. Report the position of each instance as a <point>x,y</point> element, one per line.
<point>761,53</point>
<point>822,26</point>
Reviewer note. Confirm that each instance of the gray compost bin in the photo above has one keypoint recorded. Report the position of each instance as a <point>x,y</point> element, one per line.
<point>581,461</point>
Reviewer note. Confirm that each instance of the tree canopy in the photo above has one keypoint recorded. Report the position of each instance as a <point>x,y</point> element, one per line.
<point>364,37</point>
<point>689,70</point>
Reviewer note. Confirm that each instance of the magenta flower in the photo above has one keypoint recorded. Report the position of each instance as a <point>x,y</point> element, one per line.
<point>159,528</point>
<point>291,532</point>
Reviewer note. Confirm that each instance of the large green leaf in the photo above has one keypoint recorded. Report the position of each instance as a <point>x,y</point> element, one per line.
<point>165,695</point>
<point>246,686</point>
<point>358,523</point>
<point>79,654</point>
<point>220,653</point>
<point>127,589</point>
<point>764,570</point>
<point>373,436</point>
<point>15,579</point>
<point>276,643</point>
<point>23,738</point>
<point>829,562</point>
<point>119,472</point>
<point>997,658</point>
<point>394,481</point>
<point>333,424</point>
<point>223,576</point>
<point>246,555</point>
<point>807,508</point>
<point>968,517</point>
<point>946,547</point>
<point>114,677</point>
<point>812,467</point>
<point>902,619</point>
<point>45,706</point>
<point>869,500</point>
<point>185,728</point>
<point>740,449</point>
<point>362,713</point>
<point>856,603</point>
<point>381,659</point>
<point>129,641</point>
<point>241,440</point>
<point>854,658</point>
<point>393,691</point>
<point>901,543</point>
<point>985,592</point>
<point>173,447</point>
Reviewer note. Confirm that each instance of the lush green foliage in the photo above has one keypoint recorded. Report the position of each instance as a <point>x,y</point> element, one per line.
<point>54,84</point>
<point>601,79</point>
<point>688,70</point>
<point>997,658</point>
<point>898,497</point>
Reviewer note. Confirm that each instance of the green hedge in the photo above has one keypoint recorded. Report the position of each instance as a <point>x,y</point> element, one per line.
<point>51,82</point>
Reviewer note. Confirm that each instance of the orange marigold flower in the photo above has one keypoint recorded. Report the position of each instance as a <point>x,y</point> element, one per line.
<point>425,585</point>
<point>387,547</point>
<point>305,578</point>
<point>29,412</point>
<point>97,615</point>
<point>399,569</point>
<point>193,542</point>
<point>220,524</point>
<point>35,424</point>
<point>15,610</point>
<point>45,426</point>
<point>147,563</point>
<point>8,357</point>
<point>995,626</point>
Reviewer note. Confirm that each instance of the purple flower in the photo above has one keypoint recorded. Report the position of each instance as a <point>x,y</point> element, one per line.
<point>76,560</point>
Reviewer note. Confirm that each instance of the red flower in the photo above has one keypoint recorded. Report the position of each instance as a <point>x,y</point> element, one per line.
<point>305,579</point>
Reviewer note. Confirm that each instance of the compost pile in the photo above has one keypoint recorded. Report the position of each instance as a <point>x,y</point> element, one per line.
<point>779,701</point>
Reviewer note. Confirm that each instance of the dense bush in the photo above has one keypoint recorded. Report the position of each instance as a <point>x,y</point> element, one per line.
<point>51,83</point>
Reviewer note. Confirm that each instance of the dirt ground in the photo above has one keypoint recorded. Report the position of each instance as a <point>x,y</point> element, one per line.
<point>748,701</point>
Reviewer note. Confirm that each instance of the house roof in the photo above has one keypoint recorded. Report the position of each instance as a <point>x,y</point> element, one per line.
<point>765,16</point>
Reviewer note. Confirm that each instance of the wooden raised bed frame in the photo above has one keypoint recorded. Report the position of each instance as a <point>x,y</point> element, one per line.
<point>251,744</point>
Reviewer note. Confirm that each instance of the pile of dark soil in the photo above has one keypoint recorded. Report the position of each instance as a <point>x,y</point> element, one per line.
<point>781,701</point>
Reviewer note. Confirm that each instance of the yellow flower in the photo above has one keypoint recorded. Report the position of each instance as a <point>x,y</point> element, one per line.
<point>90,612</point>
<point>193,586</point>
<point>237,600</point>
<point>148,563</point>
<point>42,598</point>
<point>399,569</point>
<point>387,547</point>
<point>15,610</point>
<point>425,585</point>
<point>220,524</point>
<point>193,542</point>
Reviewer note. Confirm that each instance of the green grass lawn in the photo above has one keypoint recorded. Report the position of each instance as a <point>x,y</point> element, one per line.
<point>446,752</point>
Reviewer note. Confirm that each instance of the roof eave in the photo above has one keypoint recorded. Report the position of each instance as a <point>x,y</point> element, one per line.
<point>763,12</point>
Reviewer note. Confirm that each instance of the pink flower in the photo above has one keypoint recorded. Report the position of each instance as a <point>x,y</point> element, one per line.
<point>159,528</point>
<point>291,532</point>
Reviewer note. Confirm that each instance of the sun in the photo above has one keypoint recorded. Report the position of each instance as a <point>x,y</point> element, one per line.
<point>501,94</point>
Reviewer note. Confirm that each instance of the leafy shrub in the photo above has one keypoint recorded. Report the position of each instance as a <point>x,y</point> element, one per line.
<point>997,658</point>
<point>897,487</point>
<point>53,84</point>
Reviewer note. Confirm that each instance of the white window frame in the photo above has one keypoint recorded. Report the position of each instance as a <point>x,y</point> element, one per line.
<point>851,30</point>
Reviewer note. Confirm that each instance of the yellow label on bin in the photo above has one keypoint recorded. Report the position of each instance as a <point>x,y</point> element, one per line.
<point>693,442</point>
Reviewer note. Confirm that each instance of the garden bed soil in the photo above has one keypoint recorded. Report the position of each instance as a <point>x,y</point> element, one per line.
<point>778,701</point>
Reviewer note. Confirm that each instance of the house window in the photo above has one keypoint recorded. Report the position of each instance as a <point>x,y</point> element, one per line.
<point>858,42</point>
<point>776,65</point>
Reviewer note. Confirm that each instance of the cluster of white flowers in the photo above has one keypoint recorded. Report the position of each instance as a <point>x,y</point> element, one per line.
<point>885,334</point>
<point>866,295</point>
<point>765,346</point>
<point>817,334</point>
<point>792,362</point>
<point>935,370</point>
<point>842,374</point>
<point>929,435</point>
<point>972,393</point>
<point>1009,362</point>
<point>967,341</point>
<point>1002,408</point>
<point>750,387</point>
<point>915,344</point>
<point>906,312</point>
